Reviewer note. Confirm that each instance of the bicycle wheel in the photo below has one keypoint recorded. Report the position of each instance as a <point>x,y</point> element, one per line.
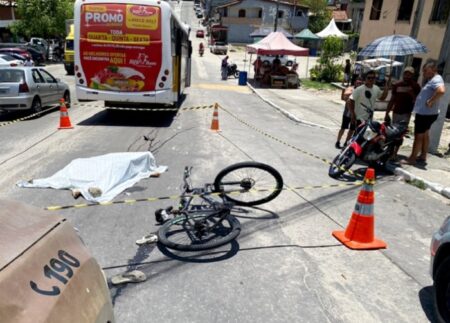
<point>194,232</point>
<point>249,183</point>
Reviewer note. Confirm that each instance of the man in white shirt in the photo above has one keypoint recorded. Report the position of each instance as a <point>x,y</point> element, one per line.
<point>363,98</point>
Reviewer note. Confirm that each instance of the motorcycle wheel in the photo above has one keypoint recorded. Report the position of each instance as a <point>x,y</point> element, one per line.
<point>236,74</point>
<point>342,162</point>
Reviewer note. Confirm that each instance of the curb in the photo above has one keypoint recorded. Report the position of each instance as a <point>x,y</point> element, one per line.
<point>286,113</point>
<point>407,176</point>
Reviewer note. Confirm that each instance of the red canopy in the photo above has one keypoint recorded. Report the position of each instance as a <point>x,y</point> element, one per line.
<point>276,44</point>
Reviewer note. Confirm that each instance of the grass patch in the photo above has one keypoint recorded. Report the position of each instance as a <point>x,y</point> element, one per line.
<point>418,183</point>
<point>308,84</point>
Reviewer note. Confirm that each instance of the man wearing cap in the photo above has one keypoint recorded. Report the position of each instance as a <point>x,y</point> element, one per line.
<point>404,95</point>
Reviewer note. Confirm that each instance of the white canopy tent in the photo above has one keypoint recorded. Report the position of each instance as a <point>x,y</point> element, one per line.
<point>332,30</point>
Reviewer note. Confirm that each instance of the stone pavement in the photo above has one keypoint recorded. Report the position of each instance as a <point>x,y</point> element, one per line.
<point>304,106</point>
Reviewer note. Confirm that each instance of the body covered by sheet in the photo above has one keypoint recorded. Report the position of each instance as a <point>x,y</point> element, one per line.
<point>101,178</point>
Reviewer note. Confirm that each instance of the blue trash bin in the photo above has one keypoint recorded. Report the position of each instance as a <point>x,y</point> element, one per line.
<point>242,78</point>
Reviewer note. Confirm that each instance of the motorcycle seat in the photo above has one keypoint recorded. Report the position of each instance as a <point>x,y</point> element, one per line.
<point>395,130</point>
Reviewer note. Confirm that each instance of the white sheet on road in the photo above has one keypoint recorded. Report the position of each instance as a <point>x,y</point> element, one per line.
<point>111,173</point>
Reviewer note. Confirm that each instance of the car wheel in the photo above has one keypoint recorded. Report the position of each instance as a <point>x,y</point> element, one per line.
<point>66,98</point>
<point>36,105</point>
<point>442,291</point>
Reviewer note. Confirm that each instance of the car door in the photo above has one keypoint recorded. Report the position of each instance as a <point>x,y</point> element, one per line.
<point>42,88</point>
<point>51,81</point>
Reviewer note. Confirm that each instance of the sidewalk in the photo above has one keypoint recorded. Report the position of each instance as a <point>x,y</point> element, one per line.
<point>307,107</point>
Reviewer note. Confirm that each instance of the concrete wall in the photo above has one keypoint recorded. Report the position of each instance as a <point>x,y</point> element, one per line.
<point>430,34</point>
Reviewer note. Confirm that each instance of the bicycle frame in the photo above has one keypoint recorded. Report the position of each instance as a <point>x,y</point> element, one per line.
<point>219,209</point>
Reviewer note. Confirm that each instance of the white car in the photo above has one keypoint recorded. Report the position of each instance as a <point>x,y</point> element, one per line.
<point>440,270</point>
<point>9,61</point>
<point>284,59</point>
<point>30,88</point>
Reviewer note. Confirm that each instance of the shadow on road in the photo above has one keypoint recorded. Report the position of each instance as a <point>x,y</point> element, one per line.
<point>129,118</point>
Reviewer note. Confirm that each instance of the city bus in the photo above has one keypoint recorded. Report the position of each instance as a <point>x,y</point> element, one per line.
<point>130,52</point>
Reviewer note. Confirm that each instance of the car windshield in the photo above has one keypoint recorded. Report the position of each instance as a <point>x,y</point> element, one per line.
<point>69,44</point>
<point>11,76</point>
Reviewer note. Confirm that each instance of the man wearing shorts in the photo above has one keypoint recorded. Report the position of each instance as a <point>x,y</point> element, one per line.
<point>346,116</point>
<point>362,100</point>
<point>404,95</point>
<point>426,109</point>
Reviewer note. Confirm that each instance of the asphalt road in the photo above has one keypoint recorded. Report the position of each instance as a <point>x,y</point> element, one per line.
<point>285,266</point>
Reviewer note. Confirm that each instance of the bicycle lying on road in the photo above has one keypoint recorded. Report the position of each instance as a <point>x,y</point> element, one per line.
<point>203,219</point>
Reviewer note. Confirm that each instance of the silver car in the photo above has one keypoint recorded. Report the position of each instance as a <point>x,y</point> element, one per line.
<point>440,270</point>
<point>30,88</point>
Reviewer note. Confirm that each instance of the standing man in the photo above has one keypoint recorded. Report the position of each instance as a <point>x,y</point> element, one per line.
<point>347,69</point>
<point>426,109</point>
<point>363,98</point>
<point>257,66</point>
<point>346,116</point>
<point>404,95</point>
<point>224,68</point>
<point>28,62</point>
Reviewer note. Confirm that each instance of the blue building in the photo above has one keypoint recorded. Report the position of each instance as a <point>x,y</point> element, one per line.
<point>242,17</point>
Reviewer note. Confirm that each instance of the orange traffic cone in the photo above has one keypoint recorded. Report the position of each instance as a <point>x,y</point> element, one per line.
<point>215,119</point>
<point>359,233</point>
<point>64,120</point>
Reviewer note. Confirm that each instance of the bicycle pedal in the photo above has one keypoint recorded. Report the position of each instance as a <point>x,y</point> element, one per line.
<point>151,238</point>
<point>161,216</point>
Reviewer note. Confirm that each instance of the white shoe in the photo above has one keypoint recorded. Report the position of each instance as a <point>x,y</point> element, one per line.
<point>151,238</point>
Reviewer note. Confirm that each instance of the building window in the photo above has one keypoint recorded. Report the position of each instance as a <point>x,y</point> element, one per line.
<point>260,13</point>
<point>441,10</point>
<point>280,14</point>
<point>225,12</point>
<point>405,10</point>
<point>241,13</point>
<point>375,11</point>
<point>299,13</point>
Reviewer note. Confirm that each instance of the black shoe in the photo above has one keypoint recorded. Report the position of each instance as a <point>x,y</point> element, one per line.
<point>337,145</point>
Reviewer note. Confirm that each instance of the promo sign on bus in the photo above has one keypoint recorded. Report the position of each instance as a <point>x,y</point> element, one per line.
<point>120,46</point>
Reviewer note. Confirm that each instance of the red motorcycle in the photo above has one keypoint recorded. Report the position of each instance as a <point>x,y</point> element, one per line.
<point>373,143</point>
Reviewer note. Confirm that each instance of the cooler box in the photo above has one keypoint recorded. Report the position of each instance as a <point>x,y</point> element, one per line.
<point>242,78</point>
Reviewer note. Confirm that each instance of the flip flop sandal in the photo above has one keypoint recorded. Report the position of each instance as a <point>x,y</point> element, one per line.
<point>151,238</point>
<point>134,276</point>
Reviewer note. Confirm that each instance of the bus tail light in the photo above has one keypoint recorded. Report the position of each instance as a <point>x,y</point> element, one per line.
<point>166,72</point>
<point>161,84</point>
<point>164,78</point>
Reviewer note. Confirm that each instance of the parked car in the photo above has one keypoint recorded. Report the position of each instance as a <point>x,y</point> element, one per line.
<point>200,34</point>
<point>36,55</point>
<point>440,270</point>
<point>219,48</point>
<point>283,59</point>
<point>46,272</point>
<point>30,88</point>
<point>199,15</point>
<point>8,60</point>
<point>15,50</point>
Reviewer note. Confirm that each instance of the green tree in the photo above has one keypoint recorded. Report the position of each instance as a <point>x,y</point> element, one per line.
<point>329,68</point>
<point>42,18</point>
<point>320,17</point>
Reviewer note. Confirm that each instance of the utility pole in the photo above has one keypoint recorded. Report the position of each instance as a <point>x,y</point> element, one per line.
<point>276,16</point>
<point>415,27</point>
